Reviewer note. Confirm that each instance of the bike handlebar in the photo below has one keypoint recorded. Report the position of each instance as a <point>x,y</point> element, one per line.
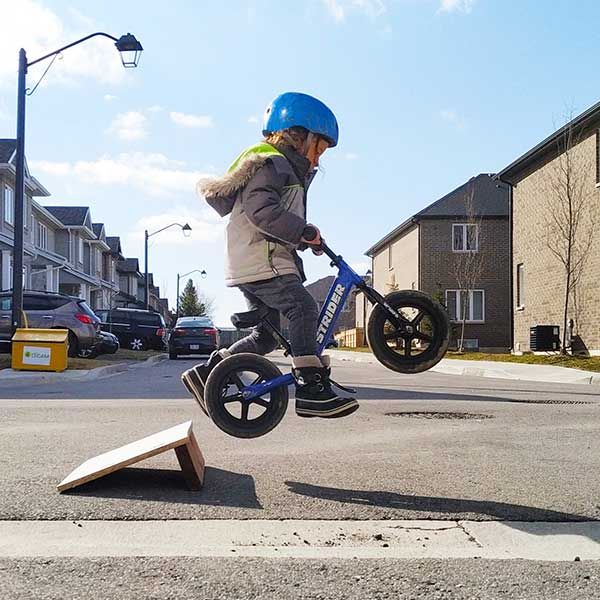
<point>310,233</point>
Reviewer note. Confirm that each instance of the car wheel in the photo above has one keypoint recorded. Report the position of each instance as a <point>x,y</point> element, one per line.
<point>137,344</point>
<point>87,353</point>
<point>73,345</point>
<point>172,355</point>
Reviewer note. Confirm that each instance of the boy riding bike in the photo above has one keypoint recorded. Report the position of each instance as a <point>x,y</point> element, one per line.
<point>264,194</point>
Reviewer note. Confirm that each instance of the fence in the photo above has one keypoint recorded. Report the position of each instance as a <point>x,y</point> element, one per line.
<point>351,338</point>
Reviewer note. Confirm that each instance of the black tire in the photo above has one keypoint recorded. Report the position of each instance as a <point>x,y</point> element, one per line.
<point>239,370</point>
<point>73,342</point>
<point>172,355</point>
<point>417,347</point>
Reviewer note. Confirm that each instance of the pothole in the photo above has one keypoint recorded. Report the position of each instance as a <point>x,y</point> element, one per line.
<point>438,415</point>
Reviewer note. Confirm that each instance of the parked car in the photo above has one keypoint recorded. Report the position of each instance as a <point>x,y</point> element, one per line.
<point>193,335</point>
<point>49,310</point>
<point>136,329</point>
<point>109,343</point>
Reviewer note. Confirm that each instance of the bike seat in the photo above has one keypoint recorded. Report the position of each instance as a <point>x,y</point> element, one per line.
<point>251,318</point>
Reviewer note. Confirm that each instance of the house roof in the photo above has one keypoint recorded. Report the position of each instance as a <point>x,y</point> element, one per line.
<point>129,265</point>
<point>97,229</point>
<point>490,200</point>
<point>7,149</point>
<point>114,243</point>
<point>549,147</point>
<point>74,216</point>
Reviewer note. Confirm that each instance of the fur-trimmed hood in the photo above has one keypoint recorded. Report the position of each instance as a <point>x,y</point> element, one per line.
<point>234,180</point>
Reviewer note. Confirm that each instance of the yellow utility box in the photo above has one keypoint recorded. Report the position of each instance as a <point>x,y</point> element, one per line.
<point>40,349</point>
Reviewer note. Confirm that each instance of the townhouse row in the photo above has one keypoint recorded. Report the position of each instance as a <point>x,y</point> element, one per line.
<point>64,250</point>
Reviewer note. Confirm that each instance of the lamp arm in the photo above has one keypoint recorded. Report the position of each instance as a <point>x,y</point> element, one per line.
<point>167,227</point>
<point>186,274</point>
<point>83,39</point>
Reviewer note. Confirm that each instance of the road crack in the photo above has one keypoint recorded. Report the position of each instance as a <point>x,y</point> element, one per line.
<point>471,537</point>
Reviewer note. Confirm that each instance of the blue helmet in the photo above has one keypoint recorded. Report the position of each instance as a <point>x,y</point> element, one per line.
<point>293,109</point>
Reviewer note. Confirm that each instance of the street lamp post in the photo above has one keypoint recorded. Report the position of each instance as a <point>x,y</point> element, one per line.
<point>186,232</point>
<point>130,50</point>
<point>202,274</point>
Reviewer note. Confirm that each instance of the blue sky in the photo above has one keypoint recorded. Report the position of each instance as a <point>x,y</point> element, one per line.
<point>427,92</point>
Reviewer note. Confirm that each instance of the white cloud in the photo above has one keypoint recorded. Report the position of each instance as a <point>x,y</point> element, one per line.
<point>361,267</point>
<point>351,156</point>
<point>109,97</point>
<point>155,108</point>
<point>451,116</point>
<point>462,6</point>
<point>154,174</point>
<point>339,9</point>
<point>206,226</point>
<point>129,126</point>
<point>40,30</point>
<point>253,119</point>
<point>187,120</point>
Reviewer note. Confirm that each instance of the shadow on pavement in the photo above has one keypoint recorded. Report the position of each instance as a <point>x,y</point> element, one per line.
<point>501,511</point>
<point>372,393</point>
<point>221,487</point>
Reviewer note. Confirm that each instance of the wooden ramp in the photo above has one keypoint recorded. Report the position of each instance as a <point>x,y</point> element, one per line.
<point>179,438</point>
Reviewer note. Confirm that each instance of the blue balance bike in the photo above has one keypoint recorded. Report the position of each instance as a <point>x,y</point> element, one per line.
<point>246,395</point>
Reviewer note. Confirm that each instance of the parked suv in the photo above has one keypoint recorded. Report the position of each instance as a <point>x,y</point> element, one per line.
<point>136,329</point>
<point>48,310</point>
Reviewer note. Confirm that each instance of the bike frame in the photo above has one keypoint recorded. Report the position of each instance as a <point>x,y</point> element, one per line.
<point>340,289</point>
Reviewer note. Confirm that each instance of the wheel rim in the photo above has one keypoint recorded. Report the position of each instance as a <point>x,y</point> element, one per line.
<point>416,335</point>
<point>239,416</point>
<point>137,344</point>
<point>241,410</point>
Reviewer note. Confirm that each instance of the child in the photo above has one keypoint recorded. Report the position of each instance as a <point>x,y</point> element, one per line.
<point>264,194</point>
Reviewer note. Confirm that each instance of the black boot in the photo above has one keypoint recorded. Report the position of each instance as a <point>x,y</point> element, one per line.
<point>316,398</point>
<point>195,378</point>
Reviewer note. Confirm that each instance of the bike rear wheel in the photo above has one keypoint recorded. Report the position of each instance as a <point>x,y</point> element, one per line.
<point>230,411</point>
<point>421,339</point>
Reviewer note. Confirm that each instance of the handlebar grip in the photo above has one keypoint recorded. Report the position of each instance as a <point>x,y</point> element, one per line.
<point>309,233</point>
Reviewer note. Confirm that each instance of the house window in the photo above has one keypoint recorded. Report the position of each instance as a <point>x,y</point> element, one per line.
<point>41,236</point>
<point>465,237</point>
<point>80,257</point>
<point>467,303</point>
<point>9,205</point>
<point>520,286</point>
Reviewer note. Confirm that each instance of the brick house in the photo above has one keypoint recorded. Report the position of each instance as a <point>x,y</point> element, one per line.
<point>422,253</point>
<point>538,276</point>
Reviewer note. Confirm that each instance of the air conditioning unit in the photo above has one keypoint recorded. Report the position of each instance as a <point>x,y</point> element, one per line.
<point>544,338</point>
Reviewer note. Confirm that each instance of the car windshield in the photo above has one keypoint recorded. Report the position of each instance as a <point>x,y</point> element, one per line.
<point>194,322</point>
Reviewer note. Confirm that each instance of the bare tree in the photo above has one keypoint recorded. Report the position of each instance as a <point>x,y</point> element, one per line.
<point>570,220</point>
<point>468,263</point>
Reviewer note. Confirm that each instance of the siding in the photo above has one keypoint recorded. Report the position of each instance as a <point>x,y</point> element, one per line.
<point>405,264</point>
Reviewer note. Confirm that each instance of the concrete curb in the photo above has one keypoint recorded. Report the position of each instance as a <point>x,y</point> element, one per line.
<point>500,370</point>
<point>77,375</point>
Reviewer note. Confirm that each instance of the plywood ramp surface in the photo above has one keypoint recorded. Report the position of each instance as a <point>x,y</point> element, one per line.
<point>180,438</point>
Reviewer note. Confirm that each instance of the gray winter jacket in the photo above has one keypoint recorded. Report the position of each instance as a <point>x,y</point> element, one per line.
<point>264,194</point>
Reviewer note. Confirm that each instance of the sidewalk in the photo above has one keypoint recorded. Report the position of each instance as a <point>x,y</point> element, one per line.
<point>33,377</point>
<point>497,370</point>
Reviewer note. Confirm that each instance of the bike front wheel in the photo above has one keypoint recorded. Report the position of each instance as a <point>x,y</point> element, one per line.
<point>415,344</point>
<point>226,405</point>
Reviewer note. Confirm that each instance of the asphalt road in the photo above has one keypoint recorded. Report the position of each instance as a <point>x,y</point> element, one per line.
<point>283,579</point>
<point>511,451</point>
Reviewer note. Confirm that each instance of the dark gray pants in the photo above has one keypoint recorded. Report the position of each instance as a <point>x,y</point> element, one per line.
<point>287,296</point>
